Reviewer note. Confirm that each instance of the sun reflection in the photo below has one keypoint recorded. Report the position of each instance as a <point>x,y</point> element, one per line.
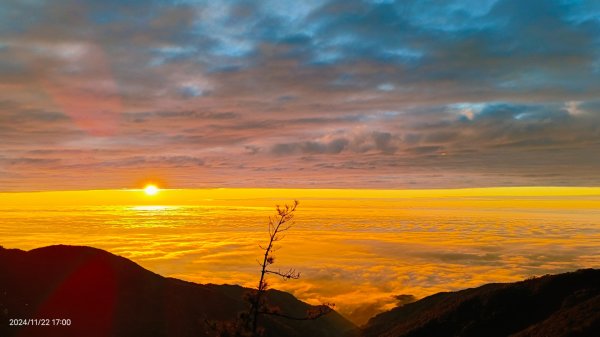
<point>153,208</point>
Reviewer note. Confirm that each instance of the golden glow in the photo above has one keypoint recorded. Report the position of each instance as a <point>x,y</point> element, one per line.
<point>151,190</point>
<point>356,247</point>
<point>154,208</point>
<point>509,197</point>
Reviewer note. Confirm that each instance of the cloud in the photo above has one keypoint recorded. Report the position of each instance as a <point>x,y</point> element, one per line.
<point>333,147</point>
<point>418,243</point>
<point>495,88</point>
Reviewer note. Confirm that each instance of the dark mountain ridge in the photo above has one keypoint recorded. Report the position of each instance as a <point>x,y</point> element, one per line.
<point>550,306</point>
<point>107,295</point>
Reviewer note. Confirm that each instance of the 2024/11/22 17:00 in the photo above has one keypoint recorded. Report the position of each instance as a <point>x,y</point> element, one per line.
<point>39,321</point>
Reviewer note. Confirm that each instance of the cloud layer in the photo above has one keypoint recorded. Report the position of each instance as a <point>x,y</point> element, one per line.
<point>319,93</point>
<point>359,249</point>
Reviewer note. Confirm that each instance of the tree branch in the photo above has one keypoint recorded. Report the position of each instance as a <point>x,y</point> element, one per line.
<point>290,274</point>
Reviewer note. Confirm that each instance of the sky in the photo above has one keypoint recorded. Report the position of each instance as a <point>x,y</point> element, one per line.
<point>336,94</point>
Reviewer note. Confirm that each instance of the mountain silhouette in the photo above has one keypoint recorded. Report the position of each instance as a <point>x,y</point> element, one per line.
<point>550,306</point>
<point>107,295</point>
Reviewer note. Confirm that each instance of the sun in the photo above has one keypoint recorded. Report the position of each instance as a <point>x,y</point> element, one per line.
<point>150,189</point>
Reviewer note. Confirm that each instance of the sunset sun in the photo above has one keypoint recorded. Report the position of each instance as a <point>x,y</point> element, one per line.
<point>150,189</point>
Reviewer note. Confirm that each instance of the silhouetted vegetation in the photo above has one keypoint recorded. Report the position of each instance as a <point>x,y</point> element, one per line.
<point>247,324</point>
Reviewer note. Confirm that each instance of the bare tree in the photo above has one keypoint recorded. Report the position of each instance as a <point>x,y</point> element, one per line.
<point>248,322</point>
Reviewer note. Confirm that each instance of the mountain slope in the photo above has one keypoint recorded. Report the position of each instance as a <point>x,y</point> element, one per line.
<point>107,295</point>
<point>553,305</point>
